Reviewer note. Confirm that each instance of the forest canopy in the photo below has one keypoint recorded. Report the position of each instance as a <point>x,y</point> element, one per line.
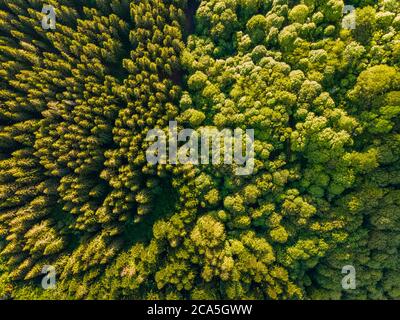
<point>76,192</point>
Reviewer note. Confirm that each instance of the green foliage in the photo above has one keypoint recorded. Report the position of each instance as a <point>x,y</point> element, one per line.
<point>76,191</point>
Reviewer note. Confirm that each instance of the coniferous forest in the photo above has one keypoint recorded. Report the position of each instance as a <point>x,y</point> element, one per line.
<point>320,90</point>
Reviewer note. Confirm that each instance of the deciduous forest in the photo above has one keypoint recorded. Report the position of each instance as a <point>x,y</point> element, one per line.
<point>76,191</point>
